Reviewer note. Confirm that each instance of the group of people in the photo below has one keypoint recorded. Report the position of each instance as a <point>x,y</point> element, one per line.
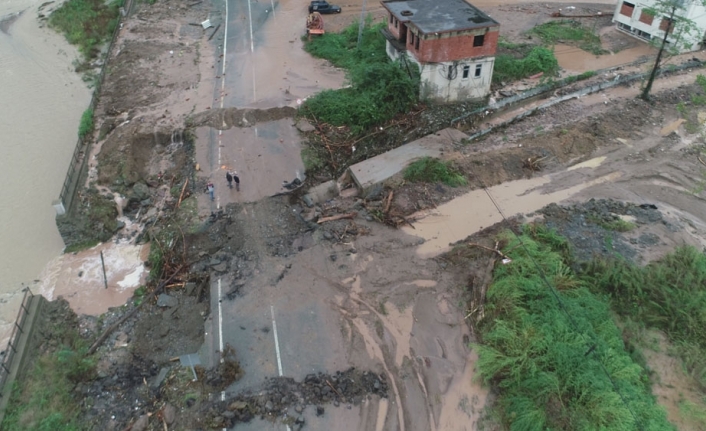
<point>231,177</point>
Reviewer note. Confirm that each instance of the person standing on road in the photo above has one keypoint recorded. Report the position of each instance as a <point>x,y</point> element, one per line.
<point>237,181</point>
<point>229,178</point>
<point>210,189</point>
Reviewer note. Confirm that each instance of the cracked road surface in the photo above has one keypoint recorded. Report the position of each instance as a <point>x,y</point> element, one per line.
<point>319,306</point>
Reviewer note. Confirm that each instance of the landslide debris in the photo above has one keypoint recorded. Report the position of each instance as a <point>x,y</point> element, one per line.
<point>285,399</point>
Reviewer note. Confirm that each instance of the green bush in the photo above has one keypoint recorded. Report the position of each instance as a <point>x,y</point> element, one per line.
<point>379,89</point>
<point>86,23</point>
<point>539,59</point>
<point>86,124</point>
<point>430,170</point>
<point>564,31</point>
<point>541,356</point>
<point>669,295</point>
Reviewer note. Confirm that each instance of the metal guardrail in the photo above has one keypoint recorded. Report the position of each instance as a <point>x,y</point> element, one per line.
<point>79,158</point>
<point>17,331</point>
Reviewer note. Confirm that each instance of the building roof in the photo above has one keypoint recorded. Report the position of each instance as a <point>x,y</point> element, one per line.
<point>437,16</point>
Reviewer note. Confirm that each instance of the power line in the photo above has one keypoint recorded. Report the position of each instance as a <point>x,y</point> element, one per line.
<point>543,276</point>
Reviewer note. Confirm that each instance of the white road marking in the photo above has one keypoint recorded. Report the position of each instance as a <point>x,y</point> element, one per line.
<point>274,330</point>
<point>220,321</point>
<point>223,72</point>
<point>220,132</point>
<point>273,10</point>
<point>279,357</point>
<point>252,43</point>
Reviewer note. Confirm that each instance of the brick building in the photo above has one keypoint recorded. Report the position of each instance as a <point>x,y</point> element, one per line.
<point>451,41</point>
<point>633,17</point>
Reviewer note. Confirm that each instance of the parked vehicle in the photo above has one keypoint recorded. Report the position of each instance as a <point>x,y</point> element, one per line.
<point>322,6</point>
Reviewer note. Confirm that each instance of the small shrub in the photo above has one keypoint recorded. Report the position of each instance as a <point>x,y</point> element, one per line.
<point>311,159</point>
<point>86,124</point>
<point>430,170</point>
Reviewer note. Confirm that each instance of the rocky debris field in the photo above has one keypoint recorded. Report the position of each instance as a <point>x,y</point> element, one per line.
<point>594,227</point>
<point>286,400</point>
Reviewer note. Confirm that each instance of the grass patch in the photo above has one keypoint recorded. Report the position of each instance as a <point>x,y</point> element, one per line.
<point>44,401</point>
<point>692,412</point>
<point>669,295</point>
<point>80,246</point>
<point>538,59</point>
<point>86,124</point>
<point>311,159</point>
<point>544,364</point>
<point>379,89</point>
<point>581,77</point>
<point>568,31</point>
<point>430,170</point>
<point>86,23</point>
<point>615,225</point>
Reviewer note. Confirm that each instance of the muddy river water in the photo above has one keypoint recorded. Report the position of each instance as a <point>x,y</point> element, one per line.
<point>41,101</point>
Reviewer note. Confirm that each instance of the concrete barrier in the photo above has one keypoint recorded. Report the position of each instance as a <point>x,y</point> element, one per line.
<point>14,364</point>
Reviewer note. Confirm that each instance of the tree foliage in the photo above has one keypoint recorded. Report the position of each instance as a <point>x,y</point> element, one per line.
<point>547,359</point>
<point>379,88</point>
<point>684,32</point>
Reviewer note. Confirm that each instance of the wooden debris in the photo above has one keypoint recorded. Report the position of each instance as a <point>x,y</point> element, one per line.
<point>388,201</point>
<point>181,195</point>
<point>495,250</point>
<point>533,163</point>
<point>337,217</point>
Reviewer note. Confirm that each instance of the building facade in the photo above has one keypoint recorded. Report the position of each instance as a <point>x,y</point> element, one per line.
<point>633,18</point>
<point>451,41</point>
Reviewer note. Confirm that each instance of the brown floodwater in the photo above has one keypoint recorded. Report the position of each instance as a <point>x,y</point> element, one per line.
<point>42,102</point>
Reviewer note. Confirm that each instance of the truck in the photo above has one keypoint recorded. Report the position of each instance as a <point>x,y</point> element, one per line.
<point>323,7</point>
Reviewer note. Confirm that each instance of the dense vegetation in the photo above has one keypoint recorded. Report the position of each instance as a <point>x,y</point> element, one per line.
<point>431,170</point>
<point>44,401</point>
<point>538,59</point>
<point>86,23</point>
<point>669,295</point>
<point>379,88</point>
<point>551,359</point>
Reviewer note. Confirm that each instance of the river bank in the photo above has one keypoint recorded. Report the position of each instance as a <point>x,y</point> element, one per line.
<point>44,99</point>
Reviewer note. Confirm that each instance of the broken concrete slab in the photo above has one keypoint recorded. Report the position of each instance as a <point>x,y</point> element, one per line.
<point>323,192</point>
<point>165,300</point>
<point>380,168</point>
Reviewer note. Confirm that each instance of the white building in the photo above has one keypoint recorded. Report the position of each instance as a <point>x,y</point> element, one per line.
<point>451,41</point>
<point>631,17</point>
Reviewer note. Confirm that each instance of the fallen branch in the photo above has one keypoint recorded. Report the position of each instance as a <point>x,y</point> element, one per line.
<point>334,389</point>
<point>337,217</point>
<point>389,201</point>
<point>181,195</point>
<point>494,250</point>
<point>122,320</point>
<point>214,32</point>
<point>702,162</point>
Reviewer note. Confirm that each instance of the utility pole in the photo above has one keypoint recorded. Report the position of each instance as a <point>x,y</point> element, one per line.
<point>361,24</point>
<point>105,277</point>
<point>648,87</point>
